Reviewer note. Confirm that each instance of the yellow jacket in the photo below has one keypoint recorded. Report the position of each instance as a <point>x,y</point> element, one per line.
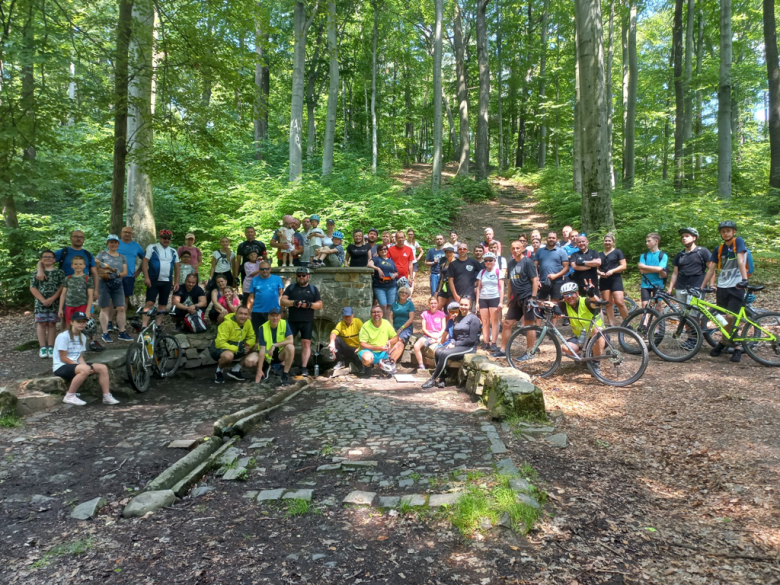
<point>230,334</point>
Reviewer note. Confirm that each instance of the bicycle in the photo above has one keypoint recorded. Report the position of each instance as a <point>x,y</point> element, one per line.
<point>710,330</point>
<point>612,366</point>
<point>640,319</point>
<point>760,336</point>
<point>152,352</point>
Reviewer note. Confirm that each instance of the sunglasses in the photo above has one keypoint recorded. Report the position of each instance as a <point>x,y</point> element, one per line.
<point>165,237</point>
<point>489,260</point>
<point>264,269</point>
<point>302,276</point>
<point>567,295</point>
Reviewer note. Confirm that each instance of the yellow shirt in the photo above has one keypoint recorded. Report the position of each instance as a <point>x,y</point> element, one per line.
<point>350,333</point>
<point>377,336</point>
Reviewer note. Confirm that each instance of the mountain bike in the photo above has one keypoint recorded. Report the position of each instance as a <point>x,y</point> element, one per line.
<point>152,352</point>
<point>710,330</point>
<point>682,334</point>
<point>640,319</point>
<point>537,350</point>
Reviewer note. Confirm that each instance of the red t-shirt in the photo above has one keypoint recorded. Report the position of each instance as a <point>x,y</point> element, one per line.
<point>402,257</point>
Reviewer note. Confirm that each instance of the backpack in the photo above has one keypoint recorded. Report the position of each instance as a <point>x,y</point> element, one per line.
<point>749,267</point>
<point>194,322</point>
<point>64,255</point>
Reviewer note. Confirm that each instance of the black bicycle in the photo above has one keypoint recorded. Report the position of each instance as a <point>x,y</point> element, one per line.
<point>152,352</point>
<point>640,319</point>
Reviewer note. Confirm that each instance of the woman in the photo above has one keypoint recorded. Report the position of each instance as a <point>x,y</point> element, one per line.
<point>443,292</point>
<point>221,263</point>
<point>434,324</point>
<point>384,281</point>
<point>218,310</point>
<point>418,253</point>
<point>112,267</point>
<point>69,363</point>
<point>500,260</point>
<point>613,263</point>
<point>403,314</point>
<point>490,292</point>
<point>465,335</point>
<point>358,253</point>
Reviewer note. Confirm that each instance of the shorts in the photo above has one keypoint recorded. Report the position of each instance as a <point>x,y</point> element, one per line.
<point>430,342</point>
<point>67,371</point>
<point>385,296</point>
<point>405,334</point>
<point>70,310</point>
<point>161,290</point>
<point>729,298</point>
<point>128,283</point>
<point>552,291</point>
<point>216,353</point>
<point>646,294</point>
<point>106,296</point>
<point>445,294</point>
<point>581,340</point>
<point>520,308</point>
<point>489,303</point>
<point>378,355</point>
<point>258,320</point>
<point>612,284</point>
<point>46,318</point>
<point>415,267</point>
<point>305,328</point>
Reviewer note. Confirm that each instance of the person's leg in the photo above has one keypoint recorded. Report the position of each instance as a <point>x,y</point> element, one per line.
<point>288,357</point>
<point>305,352</point>
<point>83,372</point>
<point>367,357</point>
<point>418,345</point>
<point>495,318</point>
<point>609,309</point>
<point>509,324</point>
<point>434,280</point>
<point>121,318</point>
<point>102,373</point>
<point>225,360</point>
<point>397,350</point>
<point>165,293</point>
<point>151,297</point>
<point>619,298</point>
<point>104,311</point>
<point>484,317</point>
<point>261,362</point>
<point>250,361</point>
<point>51,333</point>
<point>345,353</point>
<point>40,329</point>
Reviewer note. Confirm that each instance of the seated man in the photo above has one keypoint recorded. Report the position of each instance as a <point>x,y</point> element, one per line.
<point>344,340</point>
<point>580,311</point>
<point>188,299</point>
<point>235,344</point>
<point>275,346</point>
<point>377,338</point>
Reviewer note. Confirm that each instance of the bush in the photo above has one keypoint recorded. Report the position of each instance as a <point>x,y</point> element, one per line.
<point>471,190</point>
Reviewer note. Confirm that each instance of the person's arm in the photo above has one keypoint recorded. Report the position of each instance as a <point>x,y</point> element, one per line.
<point>90,297</point>
<point>285,302</point>
<point>535,286</point>
<point>451,283</point>
<point>95,283</point>
<point>420,255</point>
<point>62,301</point>
<point>562,272</point>
<point>280,344</point>
<point>178,304</point>
<point>250,301</point>
<point>222,341</point>
<point>709,277</point>
<point>477,291</point>
<point>40,273</point>
<point>409,321</point>
<point>500,292</point>
<point>202,302</point>
<point>617,270</point>
<point>673,280</point>
<point>429,262</point>
<point>235,264</point>
<point>332,345</point>
<point>213,267</point>
<point>145,269</point>
<point>473,334</point>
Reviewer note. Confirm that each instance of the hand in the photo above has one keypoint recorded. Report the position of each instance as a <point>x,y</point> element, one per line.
<point>60,314</point>
<point>192,309</point>
<point>742,283</point>
<point>580,262</point>
<point>147,282</point>
<point>332,346</point>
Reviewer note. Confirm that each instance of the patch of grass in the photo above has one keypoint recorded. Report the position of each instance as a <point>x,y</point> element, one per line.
<point>529,472</point>
<point>252,463</point>
<point>474,474</point>
<point>11,421</point>
<point>405,508</point>
<point>415,477</point>
<point>27,346</point>
<point>73,548</point>
<point>531,417</point>
<point>327,450</point>
<point>300,507</point>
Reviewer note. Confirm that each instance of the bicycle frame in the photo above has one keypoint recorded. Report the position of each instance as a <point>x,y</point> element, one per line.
<point>703,306</point>
<point>154,330</point>
<point>549,325</point>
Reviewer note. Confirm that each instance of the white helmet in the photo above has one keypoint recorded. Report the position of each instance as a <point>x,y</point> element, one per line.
<point>569,287</point>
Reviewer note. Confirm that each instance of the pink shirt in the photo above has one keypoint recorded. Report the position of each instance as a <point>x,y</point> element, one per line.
<point>434,323</point>
<point>195,254</point>
<point>223,301</point>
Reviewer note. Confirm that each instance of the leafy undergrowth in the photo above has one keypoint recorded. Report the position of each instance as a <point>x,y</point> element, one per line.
<point>11,421</point>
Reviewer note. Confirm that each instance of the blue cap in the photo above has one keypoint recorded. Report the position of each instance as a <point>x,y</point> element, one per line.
<point>315,217</point>
<point>347,312</point>
<point>338,234</point>
<point>79,316</point>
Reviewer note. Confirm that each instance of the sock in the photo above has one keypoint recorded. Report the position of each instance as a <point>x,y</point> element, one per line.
<point>219,369</point>
<point>236,368</point>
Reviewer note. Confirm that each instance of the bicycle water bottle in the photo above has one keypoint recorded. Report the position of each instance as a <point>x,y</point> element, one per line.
<point>148,344</point>
<point>316,370</point>
<point>721,319</point>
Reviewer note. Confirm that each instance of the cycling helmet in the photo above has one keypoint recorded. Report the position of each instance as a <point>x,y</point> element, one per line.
<point>690,230</point>
<point>315,217</point>
<point>569,287</point>
<point>166,234</point>
<point>489,256</point>
<point>91,328</point>
<point>302,270</point>
<point>403,281</point>
<point>727,224</point>
<point>338,235</point>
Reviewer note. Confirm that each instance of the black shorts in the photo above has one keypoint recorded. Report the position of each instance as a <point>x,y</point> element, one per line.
<point>612,284</point>
<point>68,371</point>
<point>258,320</point>
<point>161,290</point>
<point>646,294</point>
<point>489,303</point>
<point>553,291</point>
<point>305,328</point>
<point>215,354</point>
<point>520,308</point>
<point>729,298</point>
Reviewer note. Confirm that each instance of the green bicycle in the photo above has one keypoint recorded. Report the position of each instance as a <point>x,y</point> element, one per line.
<point>677,336</point>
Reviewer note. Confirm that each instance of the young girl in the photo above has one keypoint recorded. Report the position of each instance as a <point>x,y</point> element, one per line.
<point>433,325</point>
<point>228,302</point>
<point>251,269</point>
<point>69,363</point>
<point>78,293</point>
<point>46,293</point>
<point>186,266</point>
<point>287,237</point>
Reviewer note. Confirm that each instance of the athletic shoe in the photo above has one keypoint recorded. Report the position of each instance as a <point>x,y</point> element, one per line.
<point>387,366</point>
<point>339,366</point>
<point>441,383</point>
<point>219,378</point>
<point>108,399</point>
<point>717,350</point>
<point>50,350</point>
<point>285,379</point>
<point>107,338</point>
<point>305,372</point>
<point>363,371</point>
<point>71,398</point>
<point>95,346</point>
<point>498,354</point>
<point>422,369</point>
<point>237,376</point>
<point>43,352</point>
<point>124,336</point>
<point>429,384</point>
<point>526,357</point>
<point>597,368</point>
<point>736,356</point>
<point>110,326</point>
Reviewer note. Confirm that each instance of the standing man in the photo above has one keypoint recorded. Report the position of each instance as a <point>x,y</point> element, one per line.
<point>276,346</point>
<point>264,295</point>
<point>161,270</point>
<point>234,345</point>
<point>690,265</point>
<point>196,256</point>
<point>523,285</point>
<point>462,275</point>
<point>552,264</point>
<point>249,245</point>
<point>586,263</point>
<point>66,255</point>
<point>402,255</point>
<point>432,259</point>
<point>345,340</point>
<point>373,236</point>
<point>301,300</point>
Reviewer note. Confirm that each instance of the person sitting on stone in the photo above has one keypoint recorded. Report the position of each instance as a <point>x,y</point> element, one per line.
<point>345,340</point>
<point>464,339</point>
<point>188,299</point>
<point>275,346</point>
<point>377,338</point>
<point>235,344</point>
<point>434,323</point>
<point>333,254</point>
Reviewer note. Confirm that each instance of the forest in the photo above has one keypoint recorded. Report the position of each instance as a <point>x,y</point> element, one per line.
<point>206,116</point>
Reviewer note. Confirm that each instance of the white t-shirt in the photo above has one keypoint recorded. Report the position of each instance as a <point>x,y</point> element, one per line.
<point>489,284</point>
<point>168,258</point>
<point>501,265</point>
<point>74,347</point>
<point>223,264</point>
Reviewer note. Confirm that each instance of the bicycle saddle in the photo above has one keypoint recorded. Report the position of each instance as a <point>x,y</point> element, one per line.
<point>600,303</point>
<point>755,288</point>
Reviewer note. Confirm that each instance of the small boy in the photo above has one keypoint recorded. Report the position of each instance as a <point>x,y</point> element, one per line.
<point>287,237</point>
<point>186,267</point>
<point>251,269</point>
<point>78,291</point>
<point>316,241</point>
<point>46,293</point>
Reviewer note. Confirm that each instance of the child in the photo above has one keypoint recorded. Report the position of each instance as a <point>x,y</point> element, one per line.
<point>251,269</point>
<point>186,267</point>
<point>46,293</point>
<point>287,237</point>
<point>433,323</point>
<point>69,363</point>
<point>316,241</point>
<point>78,291</point>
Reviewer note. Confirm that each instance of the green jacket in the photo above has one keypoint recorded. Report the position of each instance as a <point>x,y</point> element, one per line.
<point>230,334</point>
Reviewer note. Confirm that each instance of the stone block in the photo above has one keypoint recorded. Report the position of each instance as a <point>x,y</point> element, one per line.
<point>148,502</point>
<point>507,467</point>
<point>8,402</point>
<point>49,385</point>
<point>298,495</point>
<point>270,495</point>
<point>509,392</point>
<point>191,353</point>
<point>235,474</point>
<point>528,500</point>
<point>559,440</point>
<point>439,500</point>
<point>192,363</point>
<point>112,358</point>
<point>201,340</point>
<point>329,467</point>
<point>358,464</point>
<point>88,509</point>
<point>472,360</point>
<point>413,500</point>
<point>183,443</point>
<point>346,277</point>
<point>360,498</point>
<point>206,359</point>
<point>183,340</point>
<point>388,501</point>
<point>31,402</point>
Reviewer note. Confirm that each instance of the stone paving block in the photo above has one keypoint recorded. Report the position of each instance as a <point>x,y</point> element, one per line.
<point>229,456</point>
<point>406,483</point>
<point>270,495</point>
<point>528,500</point>
<point>183,443</point>
<point>413,500</point>
<point>260,443</point>
<point>559,440</point>
<point>518,484</point>
<point>235,474</point>
<point>329,467</point>
<point>438,500</point>
<point>88,509</point>
<point>507,467</point>
<point>202,491</point>
<point>148,502</point>
<point>497,447</point>
<point>359,464</point>
<point>360,498</point>
<point>298,495</point>
<point>388,501</point>
<point>243,461</point>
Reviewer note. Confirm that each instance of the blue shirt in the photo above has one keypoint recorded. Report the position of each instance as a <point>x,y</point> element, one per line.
<point>651,279</point>
<point>131,251</point>
<point>70,254</point>
<point>401,313</point>
<point>550,261</point>
<point>388,267</point>
<point>570,249</point>
<point>266,291</point>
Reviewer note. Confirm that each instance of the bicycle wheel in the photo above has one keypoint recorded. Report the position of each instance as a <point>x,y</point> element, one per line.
<point>137,372</point>
<point>543,361</point>
<point>675,337</point>
<point>709,328</point>
<point>763,348</point>
<point>618,368</point>
<point>167,355</point>
<point>639,321</point>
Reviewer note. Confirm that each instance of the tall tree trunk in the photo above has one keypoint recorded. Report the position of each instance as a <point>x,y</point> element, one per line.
<point>451,123</point>
<point>610,58</point>
<point>724,102</point>
<point>140,202</point>
<point>577,137</point>
<point>27,97</point>
<point>688,92</point>
<point>483,140</point>
<point>500,89</point>
<point>542,81</point>
<point>699,58</point>
<point>667,131</point>
<point>311,79</point>
<point>625,25</point>
<point>596,180</point>
<point>628,149</point>
<point>773,77</point>
<point>463,92</point>
<point>300,27</point>
<point>557,121</point>
<point>679,98</point>
<point>260,105</point>
<point>374,151</point>
<point>438,121</point>
<point>409,127</point>
<point>346,117</point>
<point>333,92</point>
<point>121,82</point>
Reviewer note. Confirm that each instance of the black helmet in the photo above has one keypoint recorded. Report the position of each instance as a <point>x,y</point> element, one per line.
<point>689,230</point>
<point>302,270</point>
<point>727,224</point>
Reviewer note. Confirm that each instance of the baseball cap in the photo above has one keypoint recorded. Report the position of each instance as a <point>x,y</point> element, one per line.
<point>489,256</point>
<point>275,311</point>
<point>79,316</point>
<point>190,235</point>
<point>347,311</point>
<point>330,222</point>
<point>453,306</point>
<point>446,247</point>
<point>112,237</point>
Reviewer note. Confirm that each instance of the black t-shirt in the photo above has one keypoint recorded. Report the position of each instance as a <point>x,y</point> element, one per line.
<point>245,247</point>
<point>189,298</point>
<point>580,276</point>
<point>437,257</point>
<point>358,255</point>
<point>691,267</point>
<point>520,275</point>
<point>308,293</point>
<point>612,260</point>
<point>464,274</point>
